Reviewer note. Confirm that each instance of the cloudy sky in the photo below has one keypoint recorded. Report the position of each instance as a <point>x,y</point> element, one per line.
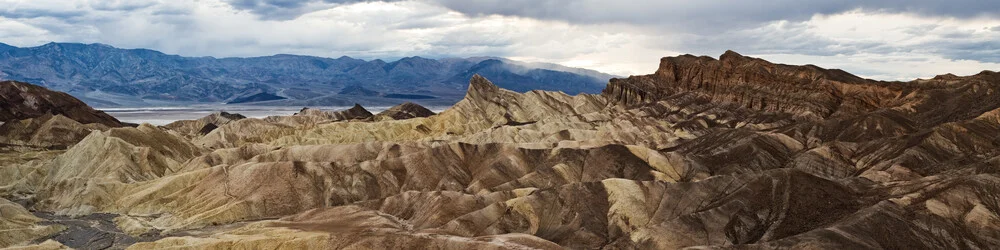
<point>881,39</point>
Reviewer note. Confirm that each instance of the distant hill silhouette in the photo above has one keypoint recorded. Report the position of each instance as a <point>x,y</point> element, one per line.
<point>103,75</point>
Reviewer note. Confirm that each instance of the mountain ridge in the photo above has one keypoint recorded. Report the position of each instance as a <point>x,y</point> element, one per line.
<point>107,76</point>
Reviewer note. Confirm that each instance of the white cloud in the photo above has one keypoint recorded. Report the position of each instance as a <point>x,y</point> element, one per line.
<point>888,46</point>
<point>882,44</point>
<point>889,67</point>
<point>15,32</point>
<point>366,30</point>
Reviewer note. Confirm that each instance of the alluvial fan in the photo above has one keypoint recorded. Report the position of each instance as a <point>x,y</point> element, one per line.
<point>734,152</point>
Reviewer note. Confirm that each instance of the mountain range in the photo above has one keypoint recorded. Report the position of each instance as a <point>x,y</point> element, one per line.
<point>102,75</point>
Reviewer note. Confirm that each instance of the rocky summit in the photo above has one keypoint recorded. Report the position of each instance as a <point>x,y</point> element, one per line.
<point>734,152</point>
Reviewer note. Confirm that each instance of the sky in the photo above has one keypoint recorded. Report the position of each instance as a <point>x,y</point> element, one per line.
<point>879,39</point>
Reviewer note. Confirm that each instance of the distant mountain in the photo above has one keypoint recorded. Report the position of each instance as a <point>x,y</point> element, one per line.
<point>520,78</point>
<point>549,66</point>
<point>103,75</point>
<point>259,97</point>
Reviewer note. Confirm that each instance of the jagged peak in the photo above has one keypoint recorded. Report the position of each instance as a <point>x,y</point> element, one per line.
<point>406,110</point>
<point>358,107</point>
<point>408,104</point>
<point>227,115</point>
<point>730,55</point>
<point>952,77</point>
<point>947,76</point>
<point>479,87</point>
<point>413,107</point>
<point>730,60</point>
<point>356,110</point>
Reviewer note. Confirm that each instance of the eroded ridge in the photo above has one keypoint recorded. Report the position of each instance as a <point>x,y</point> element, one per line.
<point>734,152</point>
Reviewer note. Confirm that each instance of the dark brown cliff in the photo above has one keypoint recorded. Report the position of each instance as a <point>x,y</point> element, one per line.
<point>20,101</point>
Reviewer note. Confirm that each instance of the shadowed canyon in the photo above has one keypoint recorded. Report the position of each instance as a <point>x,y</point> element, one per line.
<point>705,153</point>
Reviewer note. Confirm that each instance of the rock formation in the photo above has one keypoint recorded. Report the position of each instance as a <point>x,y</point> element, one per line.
<point>20,101</point>
<point>354,113</point>
<point>734,152</point>
<point>46,131</point>
<point>18,226</point>
<point>204,125</point>
<point>403,111</point>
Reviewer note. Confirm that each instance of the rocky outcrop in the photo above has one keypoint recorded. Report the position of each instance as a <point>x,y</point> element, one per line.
<point>103,160</point>
<point>403,111</point>
<point>809,91</point>
<point>357,112</point>
<point>485,106</point>
<point>204,125</point>
<point>20,101</point>
<point>46,131</point>
<point>19,227</point>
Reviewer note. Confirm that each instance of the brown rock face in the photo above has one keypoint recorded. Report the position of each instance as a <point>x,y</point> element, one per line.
<point>354,113</point>
<point>203,125</point>
<point>404,111</point>
<point>20,101</point>
<point>46,131</point>
<point>734,152</point>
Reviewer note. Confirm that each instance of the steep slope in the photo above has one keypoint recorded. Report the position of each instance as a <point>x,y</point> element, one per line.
<point>116,156</point>
<point>18,226</point>
<point>403,111</point>
<point>354,113</point>
<point>46,131</point>
<point>485,106</point>
<point>204,125</point>
<point>20,100</point>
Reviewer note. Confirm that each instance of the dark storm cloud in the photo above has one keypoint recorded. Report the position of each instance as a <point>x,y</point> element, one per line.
<point>255,4</point>
<point>35,13</point>
<point>793,38</point>
<point>121,6</point>
<point>983,51</point>
<point>272,9</point>
<point>288,9</point>
<point>707,16</point>
<point>710,15</point>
